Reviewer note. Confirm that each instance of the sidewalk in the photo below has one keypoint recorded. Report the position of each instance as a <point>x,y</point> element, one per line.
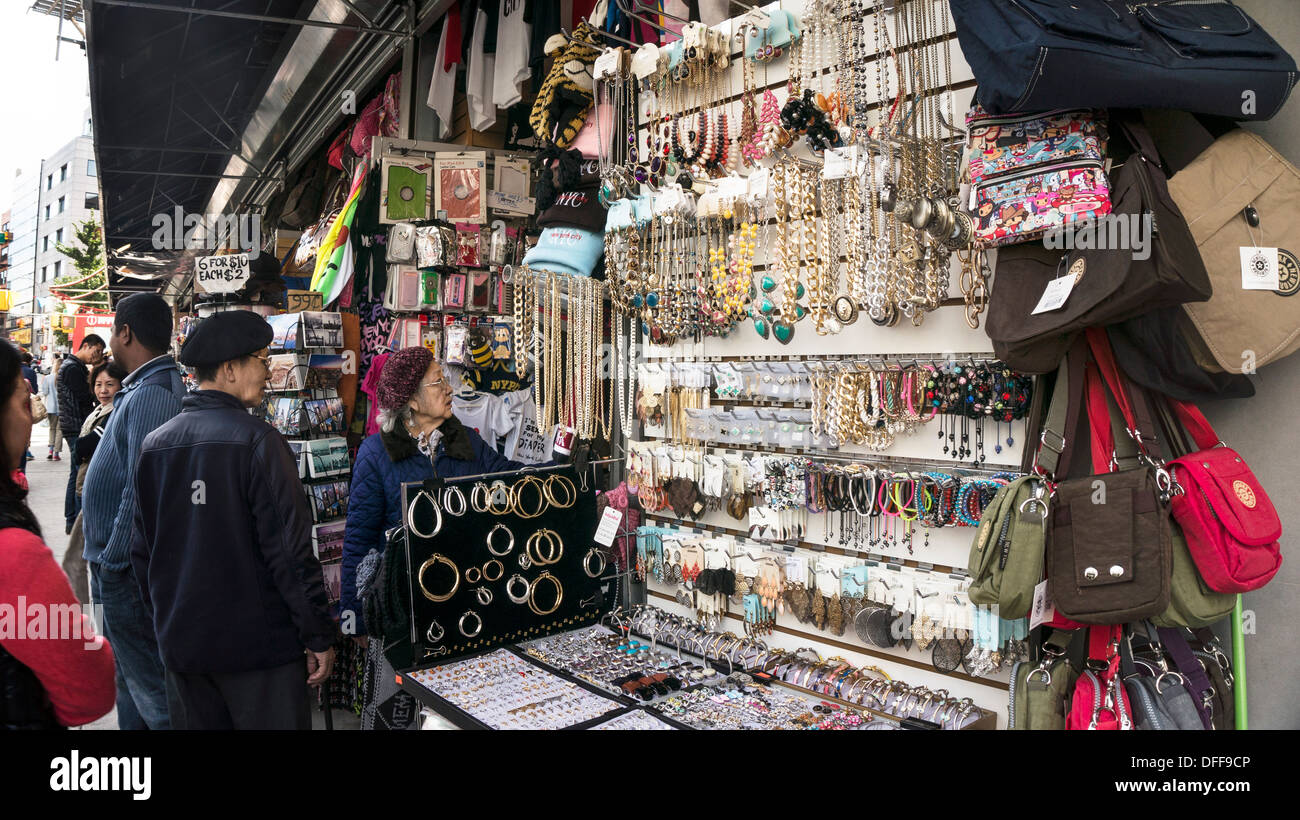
<point>48,481</point>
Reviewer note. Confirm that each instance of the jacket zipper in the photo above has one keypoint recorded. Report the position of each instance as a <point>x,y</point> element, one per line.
<point>1007,176</point>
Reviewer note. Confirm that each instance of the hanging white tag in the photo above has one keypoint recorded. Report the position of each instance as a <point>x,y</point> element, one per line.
<point>608,526</point>
<point>1044,609</point>
<point>1259,269</point>
<point>840,162</point>
<point>758,182</point>
<point>645,61</point>
<point>608,63</point>
<point>1055,294</point>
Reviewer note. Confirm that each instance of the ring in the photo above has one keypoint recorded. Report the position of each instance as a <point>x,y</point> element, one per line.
<point>429,633</point>
<point>436,558</point>
<point>586,563</point>
<point>509,547</point>
<point>500,570</point>
<point>484,595</point>
<point>473,575</point>
<point>477,620</point>
<point>518,599</point>
<point>451,494</point>
<point>437,515</point>
<point>532,594</point>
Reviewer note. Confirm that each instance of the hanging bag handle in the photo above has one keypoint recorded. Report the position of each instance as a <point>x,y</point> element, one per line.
<point>1196,423</point>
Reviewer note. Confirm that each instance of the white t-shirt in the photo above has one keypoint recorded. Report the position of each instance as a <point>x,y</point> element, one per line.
<point>484,412</point>
<point>442,89</point>
<point>513,38</point>
<point>525,443</point>
<point>479,78</point>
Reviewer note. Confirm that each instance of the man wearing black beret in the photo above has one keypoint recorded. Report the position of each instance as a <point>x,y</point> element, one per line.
<point>222,546</point>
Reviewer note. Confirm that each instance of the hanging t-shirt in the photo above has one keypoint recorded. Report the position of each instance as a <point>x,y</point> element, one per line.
<point>512,55</point>
<point>525,443</point>
<point>479,73</point>
<point>442,89</point>
<point>485,413</point>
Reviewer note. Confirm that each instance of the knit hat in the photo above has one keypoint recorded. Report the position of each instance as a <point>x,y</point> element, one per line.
<point>578,208</point>
<point>401,377</point>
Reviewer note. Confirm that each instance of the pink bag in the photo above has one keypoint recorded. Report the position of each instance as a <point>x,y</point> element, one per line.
<point>1231,526</point>
<point>1099,700</point>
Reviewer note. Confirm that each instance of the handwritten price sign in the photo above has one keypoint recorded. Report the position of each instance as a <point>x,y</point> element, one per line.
<point>300,300</point>
<point>221,274</point>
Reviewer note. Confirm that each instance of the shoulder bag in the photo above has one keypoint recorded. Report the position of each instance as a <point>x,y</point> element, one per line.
<point>1040,692</point>
<point>1099,700</point>
<point>1157,693</point>
<point>1111,282</point>
<point>1006,555</point>
<point>39,412</point>
<point>1194,55</point>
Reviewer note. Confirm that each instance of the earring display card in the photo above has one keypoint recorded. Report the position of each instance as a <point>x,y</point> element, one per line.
<point>406,191</point>
<point>458,186</point>
<point>477,581</point>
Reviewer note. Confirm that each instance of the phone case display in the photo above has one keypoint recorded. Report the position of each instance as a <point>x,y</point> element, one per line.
<point>494,561</point>
<point>500,690</point>
<point>458,186</point>
<point>407,188</point>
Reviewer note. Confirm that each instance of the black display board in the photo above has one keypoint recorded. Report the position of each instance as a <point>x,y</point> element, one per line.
<point>463,540</point>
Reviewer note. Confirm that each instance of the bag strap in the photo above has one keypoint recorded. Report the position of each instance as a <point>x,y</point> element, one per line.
<point>1189,666</point>
<point>1140,424</point>
<point>1196,423</point>
<point>1063,413</point>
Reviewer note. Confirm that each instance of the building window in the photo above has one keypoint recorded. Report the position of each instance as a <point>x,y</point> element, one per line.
<point>46,246</point>
<point>42,273</point>
<point>61,203</point>
<point>92,200</point>
<point>49,182</point>
<point>47,213</point>
<point>57,265</point>
<point>63,172</point>
<point>58,236</point>
<point>90,167</point>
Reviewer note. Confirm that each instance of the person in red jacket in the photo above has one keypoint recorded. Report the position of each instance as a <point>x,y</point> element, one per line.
<point>54,670</point>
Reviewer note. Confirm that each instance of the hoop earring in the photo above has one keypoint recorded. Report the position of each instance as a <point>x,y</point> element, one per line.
<point>586,563</point>
<point>510,546</point>
<point>437,515</point>
<point>450,494</point>
<point>528,588</point>
<point>478,624</point>
<point>437,558</point>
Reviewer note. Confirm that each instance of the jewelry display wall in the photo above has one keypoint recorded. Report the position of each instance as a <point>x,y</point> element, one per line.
<point>495,561</point>
<point>795,256</point>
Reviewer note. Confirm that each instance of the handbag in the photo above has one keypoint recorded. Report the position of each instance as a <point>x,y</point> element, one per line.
<point>1111,284</point>
<point>1039,692</point>
<point>1006,555</point>
<point>1205,646</point>
<point>39,411</point>
<point>1031,173</point>
<point>1195,56</point>
<point>1239,194</point>
<point>1153,354</point>
<point>1099,700</point>
<point>1114,566</point>
<point>1159,698</point>
<point>1231,525</point>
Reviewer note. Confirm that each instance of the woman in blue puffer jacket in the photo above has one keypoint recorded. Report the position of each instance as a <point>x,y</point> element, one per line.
<point>419,438</point>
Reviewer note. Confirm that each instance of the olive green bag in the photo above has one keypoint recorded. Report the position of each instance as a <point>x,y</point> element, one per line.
<point>1006,556</point>
<point>1040,693</point>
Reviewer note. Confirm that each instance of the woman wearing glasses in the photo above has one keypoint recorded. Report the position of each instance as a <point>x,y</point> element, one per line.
<point>418,439</point>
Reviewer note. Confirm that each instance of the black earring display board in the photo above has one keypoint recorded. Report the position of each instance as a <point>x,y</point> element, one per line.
<point>463,540</point>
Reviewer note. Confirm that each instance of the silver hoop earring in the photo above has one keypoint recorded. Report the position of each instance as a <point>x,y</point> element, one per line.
<point>435,636</point>
<point>518,599</point>
<point>453,501</point>
<point>478,624</point>
<point>484,595</point>
<point>586,563</point>
<point>437,515</point>
<point>510,546</point>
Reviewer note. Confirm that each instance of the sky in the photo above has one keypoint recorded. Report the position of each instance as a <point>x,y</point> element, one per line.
<point>43,100</point>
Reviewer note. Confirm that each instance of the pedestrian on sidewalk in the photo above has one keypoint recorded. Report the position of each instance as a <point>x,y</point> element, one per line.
<point>151,395</point>
<point>222,546</point>
<point>50,393</point>
<point>56,679</point>
<point>29,373</point>
<point>106,382</point>
<point>75,403</point>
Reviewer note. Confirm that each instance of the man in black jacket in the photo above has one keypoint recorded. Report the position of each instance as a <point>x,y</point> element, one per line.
<point>75,403</point>
<point>222,547</point>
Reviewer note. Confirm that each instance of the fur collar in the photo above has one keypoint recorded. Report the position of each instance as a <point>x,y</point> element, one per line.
<point>455,442</point>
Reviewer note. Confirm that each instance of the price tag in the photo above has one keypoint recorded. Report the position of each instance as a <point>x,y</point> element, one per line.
<point>731,187</point>
<point>1044,608</point>
<point>608,63</point>
<point>756,17</point>
<point>840,162</point>
<point>758,183</point>
<point>222,274</point>
<point>300,300</point>
<point>608,527</point>
<point>1259,269</point>
<point>1055,294</point>
<point>645,61</point>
